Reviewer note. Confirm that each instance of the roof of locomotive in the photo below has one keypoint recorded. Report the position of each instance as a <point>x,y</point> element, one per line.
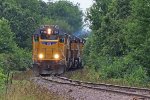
<point>61,32</point>
<point>49,26</point>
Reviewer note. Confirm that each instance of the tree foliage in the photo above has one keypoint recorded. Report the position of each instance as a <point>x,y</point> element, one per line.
<point>26,15</point>
<point>6,37</point>
<point>11,56</point>
<point>120,38</point>
<point>67,11</point>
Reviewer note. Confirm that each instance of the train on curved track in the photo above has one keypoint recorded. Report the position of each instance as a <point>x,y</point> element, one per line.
<point>55,51</point>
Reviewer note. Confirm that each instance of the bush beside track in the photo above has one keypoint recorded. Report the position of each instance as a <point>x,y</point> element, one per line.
<point>89,75</point>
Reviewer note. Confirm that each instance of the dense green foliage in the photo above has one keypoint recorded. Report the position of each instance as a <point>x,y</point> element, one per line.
<point>119,45</point>
<point>65,10</point>
<point>11,56</point>
<point>19,19</point>
<point>25,16</point>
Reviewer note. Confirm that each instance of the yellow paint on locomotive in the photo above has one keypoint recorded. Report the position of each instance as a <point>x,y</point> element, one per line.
<point>45,52</point>
<point>77,47</point>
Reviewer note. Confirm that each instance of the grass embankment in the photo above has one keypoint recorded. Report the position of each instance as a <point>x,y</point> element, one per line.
<point>89,75</point>
<point>23,89</point>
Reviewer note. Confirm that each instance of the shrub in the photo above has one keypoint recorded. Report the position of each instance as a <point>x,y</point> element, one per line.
<point>137,76</point>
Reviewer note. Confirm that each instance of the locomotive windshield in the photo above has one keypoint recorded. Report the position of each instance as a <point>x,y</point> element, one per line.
<point>51,37</point>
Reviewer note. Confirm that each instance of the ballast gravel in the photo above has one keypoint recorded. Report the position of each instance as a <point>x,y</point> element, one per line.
<point>81,93</point>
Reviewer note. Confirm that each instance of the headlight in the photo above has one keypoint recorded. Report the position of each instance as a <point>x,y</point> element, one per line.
<point>49,31</point>
<point>41,56</point>
<point>56,56</point>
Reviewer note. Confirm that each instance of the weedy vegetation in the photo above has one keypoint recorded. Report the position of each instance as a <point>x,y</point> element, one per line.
<point>88,75</point>
<point>22,88</point>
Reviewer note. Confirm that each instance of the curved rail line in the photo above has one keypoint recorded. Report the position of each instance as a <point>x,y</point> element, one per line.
<point>131,91</point>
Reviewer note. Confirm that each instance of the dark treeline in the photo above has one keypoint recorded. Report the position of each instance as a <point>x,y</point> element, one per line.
<point>18,21</point>
<point>119,46</point>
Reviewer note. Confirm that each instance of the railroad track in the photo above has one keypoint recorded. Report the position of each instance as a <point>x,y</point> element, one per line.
<point>142,93</point>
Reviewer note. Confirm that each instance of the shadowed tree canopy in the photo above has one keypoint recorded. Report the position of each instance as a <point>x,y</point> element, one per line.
<point>27,15</point>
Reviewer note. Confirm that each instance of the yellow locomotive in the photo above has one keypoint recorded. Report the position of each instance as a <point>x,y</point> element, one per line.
<point>54,51</point>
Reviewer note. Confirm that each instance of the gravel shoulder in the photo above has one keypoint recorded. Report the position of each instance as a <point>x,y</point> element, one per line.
<point>81,93</point>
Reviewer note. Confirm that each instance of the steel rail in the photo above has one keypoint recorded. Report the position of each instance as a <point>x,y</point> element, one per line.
<point>98,87</point>
<point>117,86</point>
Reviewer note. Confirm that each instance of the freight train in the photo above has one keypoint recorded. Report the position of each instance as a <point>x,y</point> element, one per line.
<point>55,51</point>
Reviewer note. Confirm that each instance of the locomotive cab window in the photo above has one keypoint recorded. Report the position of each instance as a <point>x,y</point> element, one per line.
<point>53,37</point>
<point>49,37</point>
<point>61,40</point>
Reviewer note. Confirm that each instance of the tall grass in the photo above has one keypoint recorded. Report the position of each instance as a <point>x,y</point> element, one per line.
<point>24,89</point>
<point>90,75</point>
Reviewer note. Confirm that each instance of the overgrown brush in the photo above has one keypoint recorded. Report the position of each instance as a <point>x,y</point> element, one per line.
<point>90,75</point>
<point>22,88</point>
<point>26,90</point>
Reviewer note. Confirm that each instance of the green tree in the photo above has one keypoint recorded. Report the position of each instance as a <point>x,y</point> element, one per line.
<point>120,38</point>
<point>25,16</point>
<point>23,19</point>
<point>11,56</point>
<point>6,37</point>
<point>67,11</point>
<point>138,29</point>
